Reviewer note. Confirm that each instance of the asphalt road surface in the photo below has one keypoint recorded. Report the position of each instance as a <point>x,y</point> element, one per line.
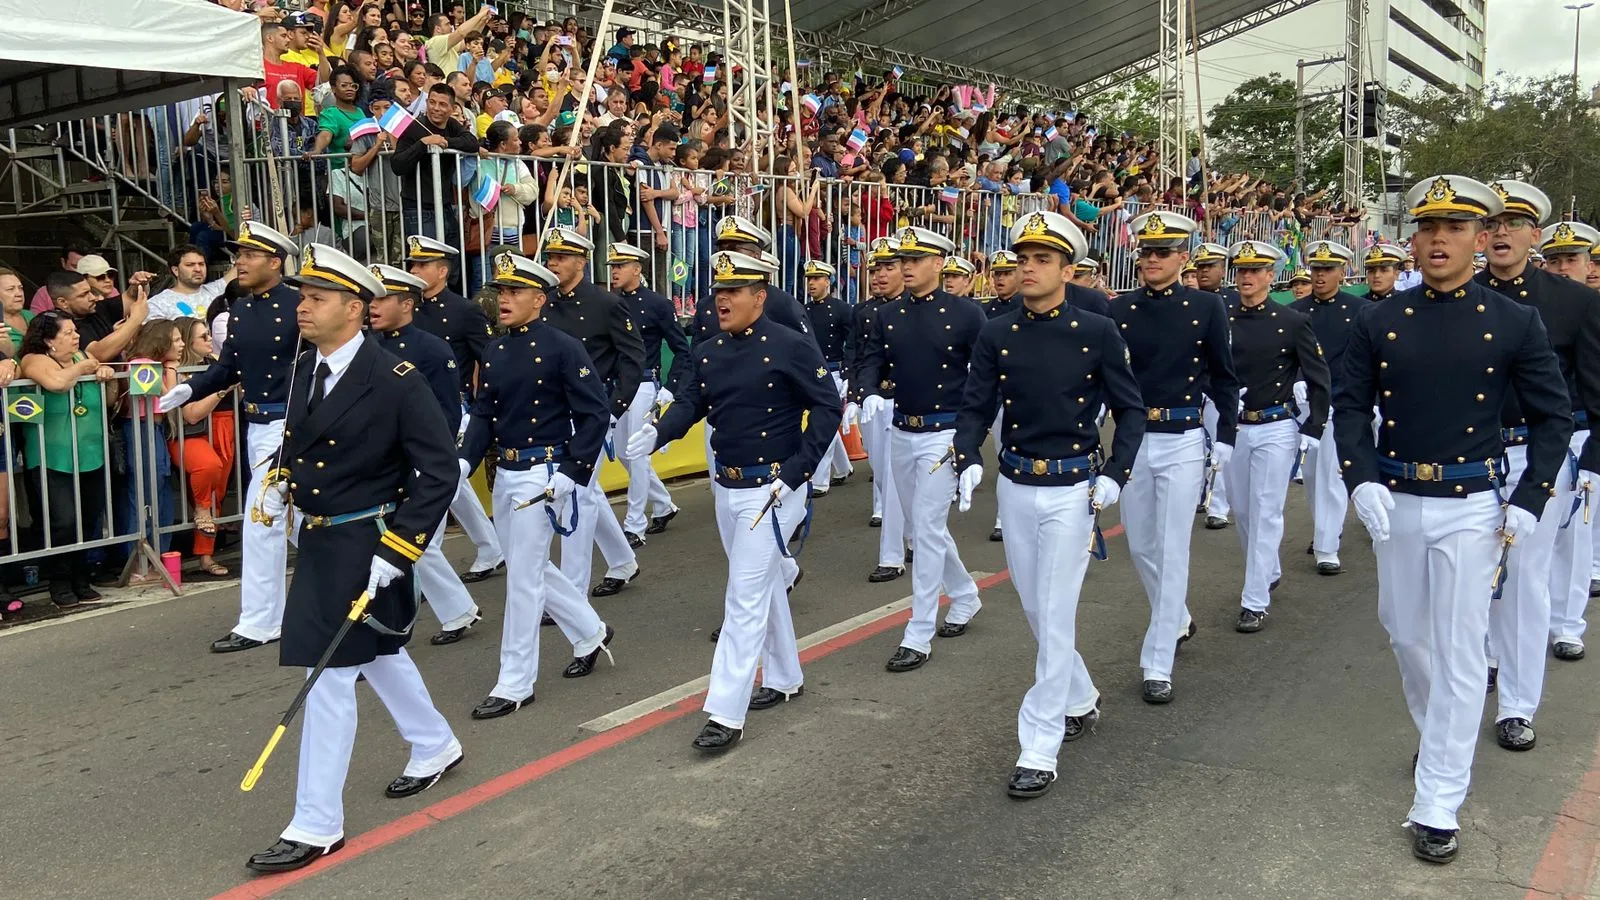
<point>1281,770</point>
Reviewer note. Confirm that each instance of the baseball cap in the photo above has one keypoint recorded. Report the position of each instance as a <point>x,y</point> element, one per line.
<point>625,31</point>
<point>306,19</point>
<point>94,265</point>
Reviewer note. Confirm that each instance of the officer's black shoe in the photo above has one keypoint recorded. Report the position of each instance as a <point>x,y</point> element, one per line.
<point>1250,621</point>
<point>1200,509</point>
<point>875,522</point>
<point>1435,845</point>
<point>717,738</point>
<point>583,665</point>
<point>885,573</point>
<point>1515,734</point>
<point>997,535</point>
<point>909,554</point>
<point>495,707</point>
<point>1216,523</point>
<point>1311,548</point>
<point>766,698</point>
<point>451,635</point>
<point>659,523</point>
<point>953,629</point>
<point>61,594</point>
<point>609,586</point>
<point>837,480</point>
<point>545,620</point>
<point>799,573</point>
<point>1494,679</point>
<point>1274,585</point>
<point>1025,784</point>
<point>1571,651</point>
<point>1078,726</point>
<point>473,576</point>
<point>1183,638</point>
<point>286,856</point>
<point>1329,568</point>
<point>1158,692</point>
<point>716,633</point>
<point>407,785</point>
<point>1414,758</point>
<point>634,540</point>
<point>230,643</point>
<point>905,659</point>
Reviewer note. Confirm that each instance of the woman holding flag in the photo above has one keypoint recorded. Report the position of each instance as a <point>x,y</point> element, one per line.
<point>796,212</point>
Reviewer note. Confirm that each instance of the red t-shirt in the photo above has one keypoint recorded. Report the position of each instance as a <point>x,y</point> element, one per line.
<point>280,71</point>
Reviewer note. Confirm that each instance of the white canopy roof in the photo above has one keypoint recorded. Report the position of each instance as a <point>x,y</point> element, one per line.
<point>68,59</point>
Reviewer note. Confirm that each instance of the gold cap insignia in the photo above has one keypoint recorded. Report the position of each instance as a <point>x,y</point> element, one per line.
<point>1441,191</point>
<point>505,265</point>
<point>724,267</point>
<point>1153,225</point>
<point>908,238</point>
<point>414,244</point>
<point>307,259</point>
<point>1500,189</point>
<point>244,231</point>
<point>1563,234</point>
<point>1035,226</point>
<point>728,226</point>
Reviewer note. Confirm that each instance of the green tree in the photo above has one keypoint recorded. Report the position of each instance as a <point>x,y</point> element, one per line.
<point>1252,130</point>
<point>1131,106</point>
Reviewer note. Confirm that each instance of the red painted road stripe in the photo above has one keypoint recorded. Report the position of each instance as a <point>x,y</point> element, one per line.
<point>499,786</point>
<point>1567,867</point>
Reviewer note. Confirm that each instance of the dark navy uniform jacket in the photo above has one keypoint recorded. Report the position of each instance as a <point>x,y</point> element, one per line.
<point>539,390</point>
<point>1439,365</point>
<point>263,339</point>
<point>601,321</point>
<point>1052,371</point>
<point>463,326</point>
<point>921,348</point>
<point>862,321</point>
<point>658,323</point>
<point>1273,347</point>
<point>830,324</point>
<point>1086,299</point>
<point>1375,297</point>
<point>1570,313</point>
<point>780,306</point>
<point>994,307</point>
<point>754,387</point>
<point>434,362</point>
<point>377,437</point>
<point>1332,319</point>
<point>1178,338</point>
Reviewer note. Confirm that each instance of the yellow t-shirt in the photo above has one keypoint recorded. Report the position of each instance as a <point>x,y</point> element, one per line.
<point>480,126</point>
<point>441,54</point>
<point>307,58</point>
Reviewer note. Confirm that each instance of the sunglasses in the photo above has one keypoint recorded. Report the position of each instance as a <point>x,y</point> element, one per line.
<point>1156,252</point>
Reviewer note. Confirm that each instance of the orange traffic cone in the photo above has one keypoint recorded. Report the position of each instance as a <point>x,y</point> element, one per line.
<point>852,443</point>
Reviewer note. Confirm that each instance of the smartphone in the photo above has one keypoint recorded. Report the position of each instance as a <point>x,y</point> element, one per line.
<point>564,40</point>
<point>491,8</point>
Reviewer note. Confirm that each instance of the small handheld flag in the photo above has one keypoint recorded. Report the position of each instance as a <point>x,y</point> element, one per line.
<point>710,74</point>
<point>486,193</point>
<point>364,127</point>
<point>857,140</point>
<point>896,72</point>
<point>1051,133</point>
<point>811,104</point>
<point>396,120</point>
<point>949,195</point>
<point>25,408</point>
<point>144,379</point>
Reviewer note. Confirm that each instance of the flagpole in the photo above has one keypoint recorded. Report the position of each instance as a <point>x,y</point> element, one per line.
<point>583,109</point>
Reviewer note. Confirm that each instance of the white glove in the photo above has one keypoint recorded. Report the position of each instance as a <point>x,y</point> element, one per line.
<point>1373,502</point>
<point>1105,492</point>
<point>1300,398</point>
<point>642,443</point>
<point>871,406</point>
<point>1220,454</point>
<point>1307,442</point>
<point>852,414</point>
<point>383,574</point>
<point>781,491</point>
<point>561,486</point>
<point>1241,399</point>
<point>663,396</point>
<point>1519,522</point>
<point>466,469</point>
<point>966,483</point>
<point>174,398</point>
<point>274,500</point>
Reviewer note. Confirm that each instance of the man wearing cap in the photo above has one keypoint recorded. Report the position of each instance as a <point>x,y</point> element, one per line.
<point>958,272</point>
<point>1210,263</point>
<point>390,316</point>
<point>886,284</point>
<point>1177,338</point>
<point>1566,249</point>
<point>1210,267</point>
<point>1275,350</point>
<point>1547,574</point>
<point>922,345</point>
<point>548,459</point>
<point>1440,362</point>
<point>1052,367</point>
<point>658,323</point>
<point>759,381</point>
<point>433,131</point>
<point>1300,284</point>
<point>463,326</point>
<point>830,324</point>
<point>1382,263</point>
<point>1333,311</point>
<point>1085,273</point>
<point>601,321</point>
<point>1003,278</point>
<point>371,487</point>
<point>260,354</point>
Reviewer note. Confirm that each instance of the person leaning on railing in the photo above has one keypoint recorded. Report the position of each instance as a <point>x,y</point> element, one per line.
<point>209,437</point>
<point>64,449</point>
<point>12,297</point>
<point>158,343</point>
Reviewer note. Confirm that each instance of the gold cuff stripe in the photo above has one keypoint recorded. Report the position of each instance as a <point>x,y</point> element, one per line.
<point>393,542</point>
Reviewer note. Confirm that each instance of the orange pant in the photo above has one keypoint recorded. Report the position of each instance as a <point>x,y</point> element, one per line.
<point>208,462</point>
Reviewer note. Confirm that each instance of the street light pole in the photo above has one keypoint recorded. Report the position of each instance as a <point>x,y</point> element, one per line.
<point>1577,29</point>
<point>1577,88</point>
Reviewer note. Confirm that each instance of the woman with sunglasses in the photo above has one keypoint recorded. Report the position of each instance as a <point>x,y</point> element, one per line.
<point>207,453</point>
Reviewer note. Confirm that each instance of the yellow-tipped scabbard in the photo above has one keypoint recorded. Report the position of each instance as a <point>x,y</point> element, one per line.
<point>942,460</point>
<point>254,775</point>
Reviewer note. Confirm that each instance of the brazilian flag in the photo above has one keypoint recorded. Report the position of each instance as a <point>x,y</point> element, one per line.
<point>25,408</point>
<point>144,379</point>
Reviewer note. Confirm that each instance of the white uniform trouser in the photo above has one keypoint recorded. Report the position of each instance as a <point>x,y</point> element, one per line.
<point>1329,500</point>
<point>1047,549</point>
<point>597,526</point>
<point>266,548</point>
<point>1158,514</point>
<point>886,503</point>
<point>937,566</point>
<point>1258,479</point>
<point>475,522</point>
<point>329,734</point>
<point>1572,559</point>
<point>1220,504</point>
<point>645,490</point>
<point>1519,622</point>
<point>1433,599</point>
<point>756,624</point>
<point>446,595</point>
<point>534,585</point>
<point>999,441</point>
<point>837,460</point>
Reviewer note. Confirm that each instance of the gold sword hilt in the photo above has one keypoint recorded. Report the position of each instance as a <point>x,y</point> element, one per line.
<point>547,496</point>
<point>772,500</point>
<point>948,455</point>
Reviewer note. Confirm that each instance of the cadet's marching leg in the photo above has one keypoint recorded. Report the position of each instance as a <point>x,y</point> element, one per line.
<point>327,737</point>
<point>1519,621</point>
<point>1328,502</point>
<point>1258,478</point>
<point>526,576</point>
<point>1219,507</point>
<point>642,481</point>
<point>999,532</point>
<point>1571,564</point>
<point>887,508</point>
<point>622,566</point>
<point>447,597</point>
<point>1173,468</point>
<point>926,494</point>
<point>266,554</point>
<point>480,531</point>
<point>434,747</point>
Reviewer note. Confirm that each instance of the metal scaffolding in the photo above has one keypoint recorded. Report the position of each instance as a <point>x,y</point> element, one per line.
<point>748,28</point>
<point>1350,107</point>
<point>1170,62</point>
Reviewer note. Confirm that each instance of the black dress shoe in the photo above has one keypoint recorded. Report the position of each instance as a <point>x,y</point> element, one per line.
<point>286,856</point>
<point>61,595</point>
<point>1158,692</point>
<point>1311,548</point>
<point>659,523</point>
<point>1250,621</point>
<point>837,480</point>
<point>85,591</point>
<point>885,573</point>
<point>716,633</point>
<point>1494,679</point>
<point>905,659</point>
<point>1078,726</point>
<point>875,522</point>
<point>1515,734</point>
<point>495,707</point>
<point>1329,568</point>
<point>717,738</point>
<point>953,629</point>
<point>1274,585</point>
<point>231,642</point>
<point>609,586</point>
<point>583,665</point>
<point>1183,638</point>
<point>407,785</point>
<point>910,554</point>
<point>1216,523</point>
<point>476,575</point>
<point>998,535</point>
<point>1435,845</point>
<point>1594,587</point>
<point>451,635</point>
<point>1200,509</point>
<point>545,621</point>
<point>1571,651</point>
<point>634,540</point>
<point>1025,784</point>
<point>799,573</point>
<point>766,698</point>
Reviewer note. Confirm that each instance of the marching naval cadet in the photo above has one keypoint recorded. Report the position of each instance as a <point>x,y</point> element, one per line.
<point>1052,368</point>
<point>1003,279</point>
<point>1439,361</point>
<point>1547,571</point>
<point>1332,311</point>
<point>1274,349</point>
<point>1300,284</point>
<point>1382,263</point>
<point>463,325</point>
<point>1210,263</point>
<point>542,402</point>
<point>957,273</point>
<point>886,285</point>
<point>1210,266</point>
<point>658,323</point>
<point>1086,273</point>
<point>1593,278</point>
<point>391,316</point>
<point>922,345</point>
<point>830,325</point>
<point>1177,338</point>
<point>1566,250</point>
<point>371,487</point>
<point>1189,276</point>
<point>602,322</point>
<point>260,355</point>
<point>758,380</point>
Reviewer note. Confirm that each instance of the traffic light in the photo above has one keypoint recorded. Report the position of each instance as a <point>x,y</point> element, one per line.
<point>1374,99</point>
